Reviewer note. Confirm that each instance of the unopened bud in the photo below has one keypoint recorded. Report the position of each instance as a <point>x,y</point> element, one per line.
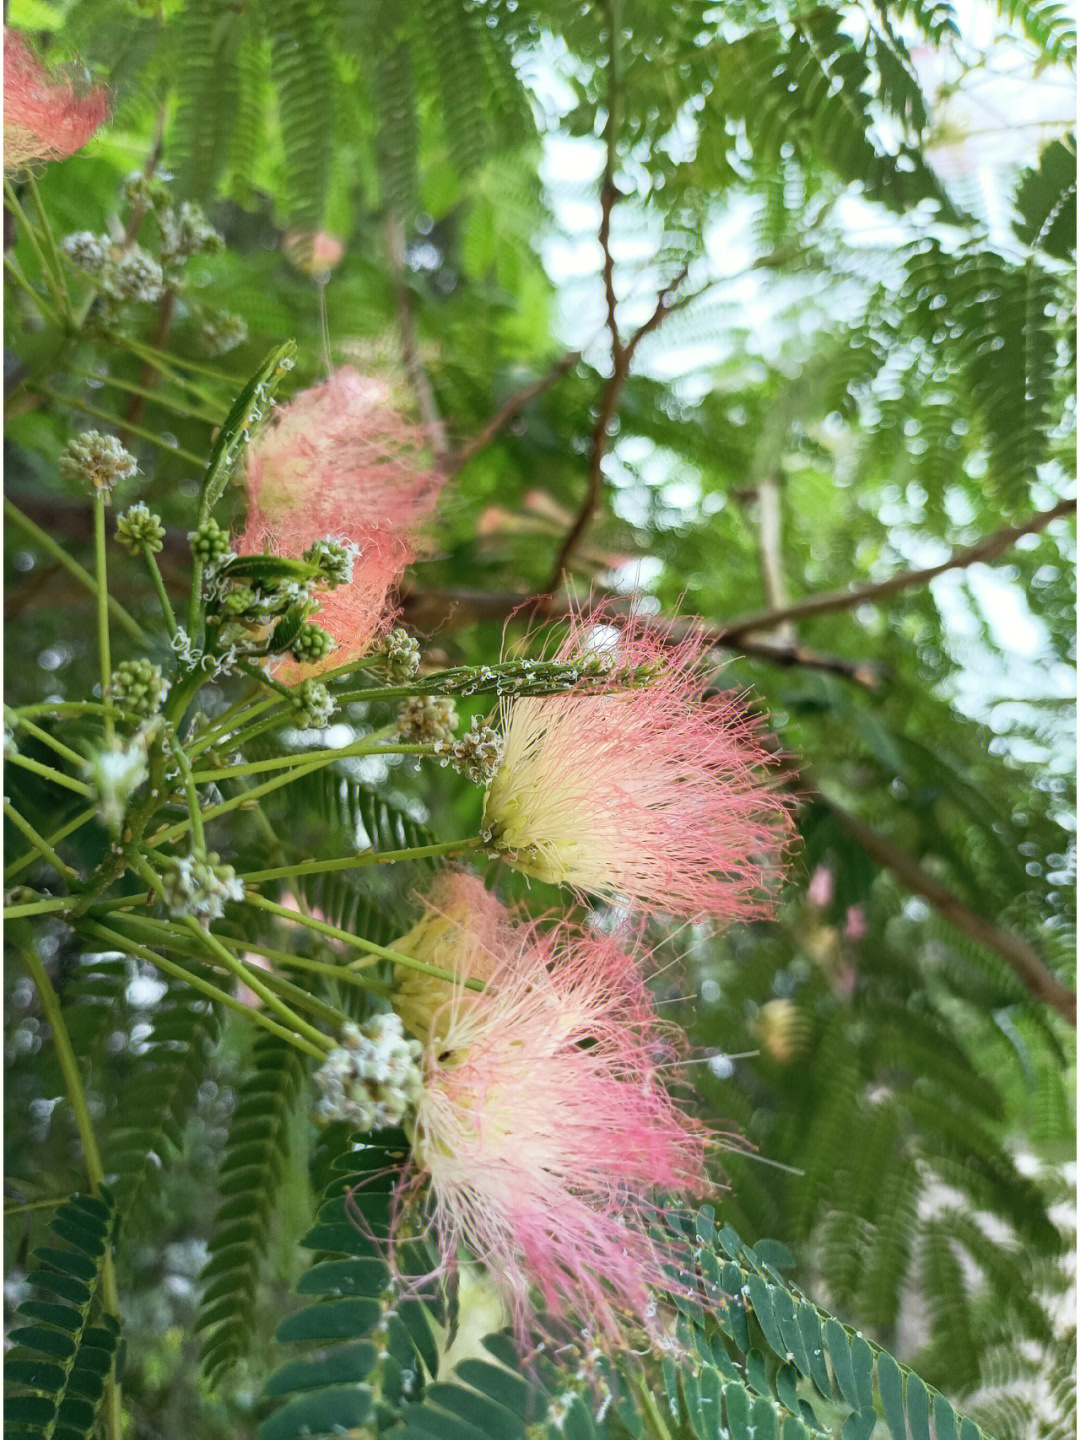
<point>427,720</point>
<point>317,706</point>
<point>476,755</point>
<point>200,888</point>
<point>209,542</point>
<point>138,686</point>
<point>312,643</point>
<point>373,1078</point>
<point>140,529</point>
<point>402,655</point>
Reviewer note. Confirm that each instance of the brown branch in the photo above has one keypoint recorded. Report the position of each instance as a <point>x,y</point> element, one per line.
<point>983,550</point>
<point>1017,953</point>
<point>507,413</point>
<point>431,611</point>
<point>410,348</point>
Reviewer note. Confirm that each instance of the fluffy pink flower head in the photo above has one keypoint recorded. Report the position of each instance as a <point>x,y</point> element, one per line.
<point>340,461</point>
<point>654,794</point>
<point>45,117</point>
<point>543,1127</point>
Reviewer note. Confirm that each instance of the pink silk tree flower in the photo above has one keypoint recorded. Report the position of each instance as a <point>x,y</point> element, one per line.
<point>340,461</point>
<point>45,116</point>
<point>656,794</point>
<point>543,1128</point>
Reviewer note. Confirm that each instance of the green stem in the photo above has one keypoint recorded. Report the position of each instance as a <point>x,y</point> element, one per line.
<point>117,940</point>
<point>65,751</point>
<point>368,857</point>
<point>226,722</point>
<point>69,1068</point>
<point>64,707</point>
<point>53,252</point>
<point>198,835</point>
<point>159,586</point>
<point>60,555</point>
<point>178,407</point>
<point>31,233</point>
<point>143,433</point>
<point>237,967</point>
<point>290,991</point>
<point>47,773</point>
<point>101,571</point>
<point>256,793</point>
<point>281,762</point>
<point>40,303</point>
<point>38,841</point>
<point>164,360</point>
<point>83,818</point>
<point>356,942</point>
<point>52,1202</point>
<point>35,907</point>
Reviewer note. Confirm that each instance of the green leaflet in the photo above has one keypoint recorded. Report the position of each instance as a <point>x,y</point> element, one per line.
<point>55,1374</point>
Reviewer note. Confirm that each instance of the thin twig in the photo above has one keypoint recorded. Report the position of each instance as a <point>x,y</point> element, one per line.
<point>1017,953</point>
<point>410,348</point>
<point>982,551</point>
<point>508,412</point>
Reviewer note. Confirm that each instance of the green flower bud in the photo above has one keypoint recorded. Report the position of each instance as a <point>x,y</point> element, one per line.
<point>138,686</point>
<point>317,706</point>
<point>312,643</point>
<point>209,542</point>
<point>402,655</point>
<point>140,529</point>
<point>426,720</point>
<point>334,559</point>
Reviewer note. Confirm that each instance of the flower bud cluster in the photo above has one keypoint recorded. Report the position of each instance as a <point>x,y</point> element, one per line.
<point>402,655</point>
<point>200,888</point>
<point>373,1078</point>
<point>334,560</point>
<point>312,643</point>
<point>476,755</point>
<point>139,529</point>
<point>97,460</point>
<point>187,232</point>
<point>427,720</point>
<point>209,542</point>
<point>138,686</point>
<point>316,704</point>
<point>223,333</point>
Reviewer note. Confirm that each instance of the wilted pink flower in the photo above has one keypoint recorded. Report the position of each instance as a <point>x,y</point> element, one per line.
<point>542,1127</point>
<point>312,252</point>
<point>45,118</point>
<point>340,461</point>
<point>822,887</point>
<point>855,923</point>
<point>656,793</point>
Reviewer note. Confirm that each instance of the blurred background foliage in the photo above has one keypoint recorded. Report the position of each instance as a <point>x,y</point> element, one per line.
<point>865,215</point>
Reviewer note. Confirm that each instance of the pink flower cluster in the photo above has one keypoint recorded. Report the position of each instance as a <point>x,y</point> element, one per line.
<point>340,461</point>
<point>543,1127</point>
<point>657,795</point>
<point>45,117</point>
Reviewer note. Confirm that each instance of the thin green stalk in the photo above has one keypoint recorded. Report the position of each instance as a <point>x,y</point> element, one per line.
<point>237,967</point>
<point>101,571</point>
<point>38,841</point>
<point>35,907</point>
<point>65,751</point>
<point>356,942</point>
<point>225,723</point>
<point>198,835</point>
<point>83,818</point>
<point>159,587</point>
<point>40,303</point>
<point>178,407</point>
<point>64,707</point>
<point>367,857</point>
<point>51,1202</point>
<point>31,234</point>
<point>117,940</point>
<point>290,991</point>
<point>52,250</point>
<point>60,555</point>
<point>47,773</point>
<point>150,436</point>
<point>256,793</point>
<point>163,360</point>
<point>69,1068</point>
<point>324,967</point>
<point>282,762</point>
